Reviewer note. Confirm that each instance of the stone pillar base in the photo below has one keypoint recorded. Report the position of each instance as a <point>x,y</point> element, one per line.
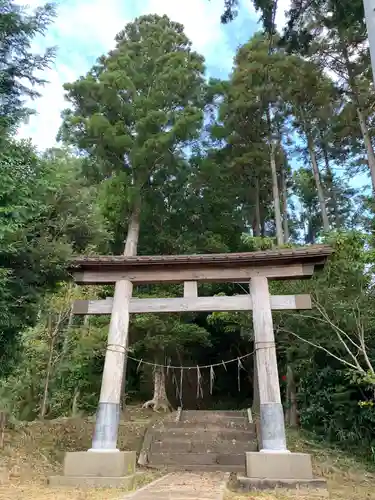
<point>96,468</point>
<point>307,486</point>
<point>282,466</point>
<point>82,482</point>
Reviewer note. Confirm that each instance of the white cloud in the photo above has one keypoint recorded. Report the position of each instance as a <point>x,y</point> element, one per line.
<point>91,20</point>
<point>43,127</point>
<point>98,20</point>
<point>82,31</point>
<point>282,7</point>
<point>201,19</point>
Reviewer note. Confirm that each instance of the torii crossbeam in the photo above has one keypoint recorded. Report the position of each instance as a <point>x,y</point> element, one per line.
<point>253,268</point>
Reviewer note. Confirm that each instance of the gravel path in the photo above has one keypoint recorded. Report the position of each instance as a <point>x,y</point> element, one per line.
<point>183,486</point>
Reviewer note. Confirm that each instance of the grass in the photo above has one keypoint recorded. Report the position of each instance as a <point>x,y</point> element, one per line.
<point>33,451</point>
<point>347,478</point>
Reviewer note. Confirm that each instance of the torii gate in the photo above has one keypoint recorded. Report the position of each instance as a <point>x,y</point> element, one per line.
<point>253,268</point>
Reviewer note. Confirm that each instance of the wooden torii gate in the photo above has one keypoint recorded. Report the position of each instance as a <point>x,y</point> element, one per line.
<point>254,268</point>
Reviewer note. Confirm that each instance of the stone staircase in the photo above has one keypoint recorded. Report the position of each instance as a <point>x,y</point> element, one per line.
<point>200,440</point>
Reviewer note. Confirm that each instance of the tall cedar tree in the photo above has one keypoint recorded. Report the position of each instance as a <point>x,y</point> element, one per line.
<point>254,113</point>
<point>135,111</point>
<point>137,108</point>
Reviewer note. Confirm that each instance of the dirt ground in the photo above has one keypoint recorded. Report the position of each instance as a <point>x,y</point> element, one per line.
<point>33,451</point>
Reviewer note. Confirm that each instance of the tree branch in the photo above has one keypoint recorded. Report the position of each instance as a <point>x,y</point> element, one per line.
<point>339,332</point>
<point>318,346</point>
<point>361,335</point>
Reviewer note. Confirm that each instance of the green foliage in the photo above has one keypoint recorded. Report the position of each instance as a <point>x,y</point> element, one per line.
<point>166,335</point>
<point>230,11</point>
<point>329,406</point>
<point>243,123</point>
<point>332,392</point>
<point>45,215</point>
<point>59,357</point>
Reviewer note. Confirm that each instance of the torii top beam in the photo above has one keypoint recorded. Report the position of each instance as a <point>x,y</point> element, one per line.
<point>281,264</point>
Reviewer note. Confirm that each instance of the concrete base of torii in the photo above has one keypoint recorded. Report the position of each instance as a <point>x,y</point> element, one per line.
<point>267,471</point>
<point>270,470</point>
<point>275,465</point>
<point>97,469</point>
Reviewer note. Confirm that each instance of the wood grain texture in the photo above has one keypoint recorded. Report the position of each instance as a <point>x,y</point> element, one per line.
<point>117,342</point>
<point>202,273</point>
<point>190,289</point>
<point>192,304</point>
<point>268,378</point>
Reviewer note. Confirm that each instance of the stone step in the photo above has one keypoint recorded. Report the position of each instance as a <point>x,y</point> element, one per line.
<point>239,423</point>
<point>239,469</point>
<point>182,459</point>
<point>215,412</point>
<point>201,441</point>
<point>219,421</point>
<point>206,435</point>
<point>188,446</point>
<point>214,417</point>
<point>203,414</point>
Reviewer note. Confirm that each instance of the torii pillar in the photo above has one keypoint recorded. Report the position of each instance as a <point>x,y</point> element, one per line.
<point>108,414</point>
<point>271,410</point>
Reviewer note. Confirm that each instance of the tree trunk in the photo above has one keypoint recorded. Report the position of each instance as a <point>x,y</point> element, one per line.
<point>263,226</point>
<point>331,186</point>
<point>52,336</point>
<point>3,423</point>
<point>368,144</point>
<point>310,229</point>
<point>319,188</point>
<point>160,398</point>
<point>132,237</point>
<point>276,196</point>
<point>285,206</point>
<point>291,398</point>
<point>74,412</point>
<point>258,221</point>
<point>362,121</point>
<point>65,347</point>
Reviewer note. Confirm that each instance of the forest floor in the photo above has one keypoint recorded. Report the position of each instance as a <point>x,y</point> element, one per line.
<point>34,451</point>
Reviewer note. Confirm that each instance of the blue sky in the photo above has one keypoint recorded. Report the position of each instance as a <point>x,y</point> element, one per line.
<point>85,29</point>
